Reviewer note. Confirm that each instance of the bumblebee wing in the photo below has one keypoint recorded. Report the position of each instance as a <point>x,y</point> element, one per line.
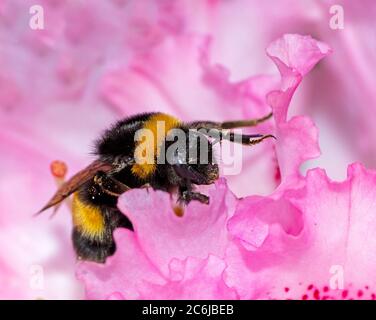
<point>75,182</point>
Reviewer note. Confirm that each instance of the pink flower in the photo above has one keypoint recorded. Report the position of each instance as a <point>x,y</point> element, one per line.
<point>299,242</point>
<point>281,246</point>
<point>305,243</point>
<point>339,95</point>
<point>61,86</point>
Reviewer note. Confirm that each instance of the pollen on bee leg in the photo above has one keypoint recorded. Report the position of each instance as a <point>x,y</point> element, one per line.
<point>178,210</point>
<point>176,205</point>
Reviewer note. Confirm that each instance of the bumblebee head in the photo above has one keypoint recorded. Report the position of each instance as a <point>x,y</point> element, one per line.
<point>191,155</point>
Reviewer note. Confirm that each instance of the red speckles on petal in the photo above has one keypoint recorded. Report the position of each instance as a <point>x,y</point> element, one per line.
<point>277,175</point>
<point>314,292</point>
<point>277,171</point>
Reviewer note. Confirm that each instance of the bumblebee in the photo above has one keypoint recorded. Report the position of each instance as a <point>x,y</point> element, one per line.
<point>118,168</point>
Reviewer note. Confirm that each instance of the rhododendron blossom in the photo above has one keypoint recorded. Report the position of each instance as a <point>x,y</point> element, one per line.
<point>280,228</point>
<point>281,246</point>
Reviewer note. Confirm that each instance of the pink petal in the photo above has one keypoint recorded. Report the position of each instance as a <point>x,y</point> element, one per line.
<point>311,261</point>
<point>163,236</point>
<point>297,142</point>
<point>294,55</point>
<point>130,275</point>
<point>167,257</point>
<point>198,280</point>
<point>124,275</point>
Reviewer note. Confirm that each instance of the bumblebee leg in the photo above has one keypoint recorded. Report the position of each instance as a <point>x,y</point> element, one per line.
<point>110,185</point>
<point>245,139</point>
<point>228,124</point>
<point>245,123</point>
<point>113,188</point>
<point>187,196</point>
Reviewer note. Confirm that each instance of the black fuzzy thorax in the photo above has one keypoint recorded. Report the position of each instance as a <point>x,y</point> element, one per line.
<point>119,139</point>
